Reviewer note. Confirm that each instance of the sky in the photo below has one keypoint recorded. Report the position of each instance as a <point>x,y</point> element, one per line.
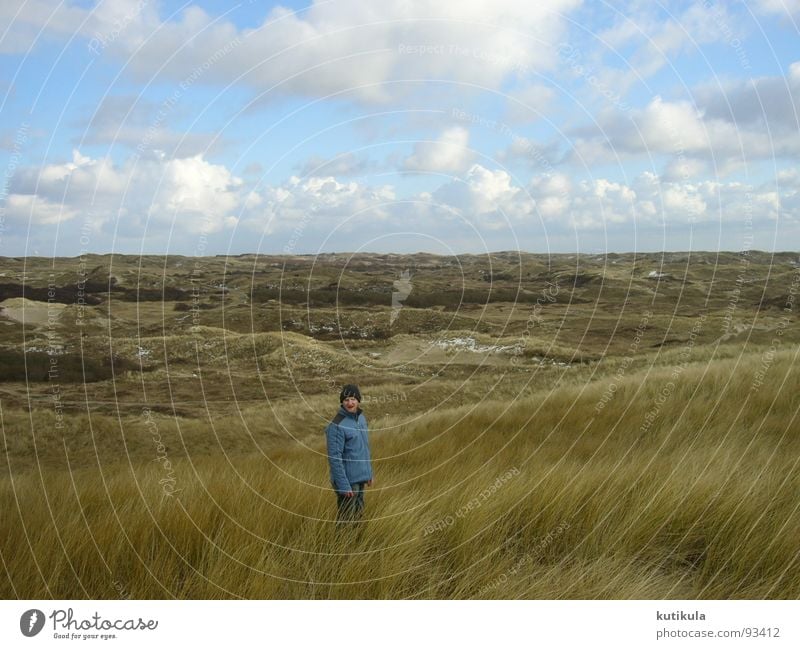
<point>451,127</point>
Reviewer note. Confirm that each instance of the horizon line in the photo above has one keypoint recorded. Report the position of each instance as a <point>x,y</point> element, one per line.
<point>409,254</point>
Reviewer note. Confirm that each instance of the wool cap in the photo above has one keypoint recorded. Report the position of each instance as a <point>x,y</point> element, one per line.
<point>350,390</point>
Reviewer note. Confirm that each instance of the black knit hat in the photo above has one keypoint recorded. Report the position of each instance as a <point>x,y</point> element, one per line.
<point>350,390</point>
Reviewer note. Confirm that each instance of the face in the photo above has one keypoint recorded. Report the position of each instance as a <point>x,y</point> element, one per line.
<point>350,404</point>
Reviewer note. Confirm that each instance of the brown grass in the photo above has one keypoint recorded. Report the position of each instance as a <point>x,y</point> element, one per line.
<point>700,503</point>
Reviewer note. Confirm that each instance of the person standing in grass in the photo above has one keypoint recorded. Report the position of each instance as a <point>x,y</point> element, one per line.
<point>348,455</point>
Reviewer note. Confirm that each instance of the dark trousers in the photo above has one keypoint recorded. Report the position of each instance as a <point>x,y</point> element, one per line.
<point>350,509</point>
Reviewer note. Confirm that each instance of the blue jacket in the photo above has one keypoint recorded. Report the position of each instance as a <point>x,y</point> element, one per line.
<point>348,450</point>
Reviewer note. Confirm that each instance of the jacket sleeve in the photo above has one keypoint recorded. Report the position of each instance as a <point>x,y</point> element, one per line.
<point>335,439</point>
<point>368,452</point>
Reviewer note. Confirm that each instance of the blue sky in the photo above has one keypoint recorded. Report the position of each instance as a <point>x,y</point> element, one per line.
<point>212,128</point>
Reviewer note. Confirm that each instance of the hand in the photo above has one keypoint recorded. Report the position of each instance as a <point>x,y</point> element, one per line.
<point>369,483</point>
<point>348,494</point>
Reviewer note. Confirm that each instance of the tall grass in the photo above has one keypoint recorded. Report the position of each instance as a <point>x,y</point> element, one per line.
<point>545,496</point>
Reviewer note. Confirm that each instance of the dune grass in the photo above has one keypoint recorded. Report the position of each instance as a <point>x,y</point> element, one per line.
<point>686,491</point>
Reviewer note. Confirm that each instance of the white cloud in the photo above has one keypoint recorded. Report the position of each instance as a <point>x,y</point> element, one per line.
<point>770,104</point>
<point>587,204</point>
<point>315,202</point>
<point>683,168</point>
<point>484,195</point>
<point>779,7</point>
<point>75,182</point>
<point>683,199</point>
<point>202,196</point>
<point>660,127</point>
<point>192,193</point>
<point>539,156</point>
<point>728,127</point>
<point>529,103</point>
<point>449,153</point>
<point>194,196</point>
<point>144,125</point>
<point>789,177</point>
<point>490,200</point>
<point>669,127</point>
<point>351,46</point>
<point>600,203</point>
<point>342,164</point>
<point>40,211</point>
<point>108,22</point>
<point>657,35</point>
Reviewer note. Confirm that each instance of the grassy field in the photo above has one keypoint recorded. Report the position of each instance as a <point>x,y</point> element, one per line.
<point>621,436</point>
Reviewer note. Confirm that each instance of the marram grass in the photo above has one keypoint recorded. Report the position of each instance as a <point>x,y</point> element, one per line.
<point>688,495</point>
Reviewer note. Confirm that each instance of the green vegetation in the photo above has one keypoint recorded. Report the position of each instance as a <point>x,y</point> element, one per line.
<point>617,437</point>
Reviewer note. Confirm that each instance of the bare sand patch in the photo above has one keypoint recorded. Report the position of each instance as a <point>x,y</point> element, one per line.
<point>25,311</point>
